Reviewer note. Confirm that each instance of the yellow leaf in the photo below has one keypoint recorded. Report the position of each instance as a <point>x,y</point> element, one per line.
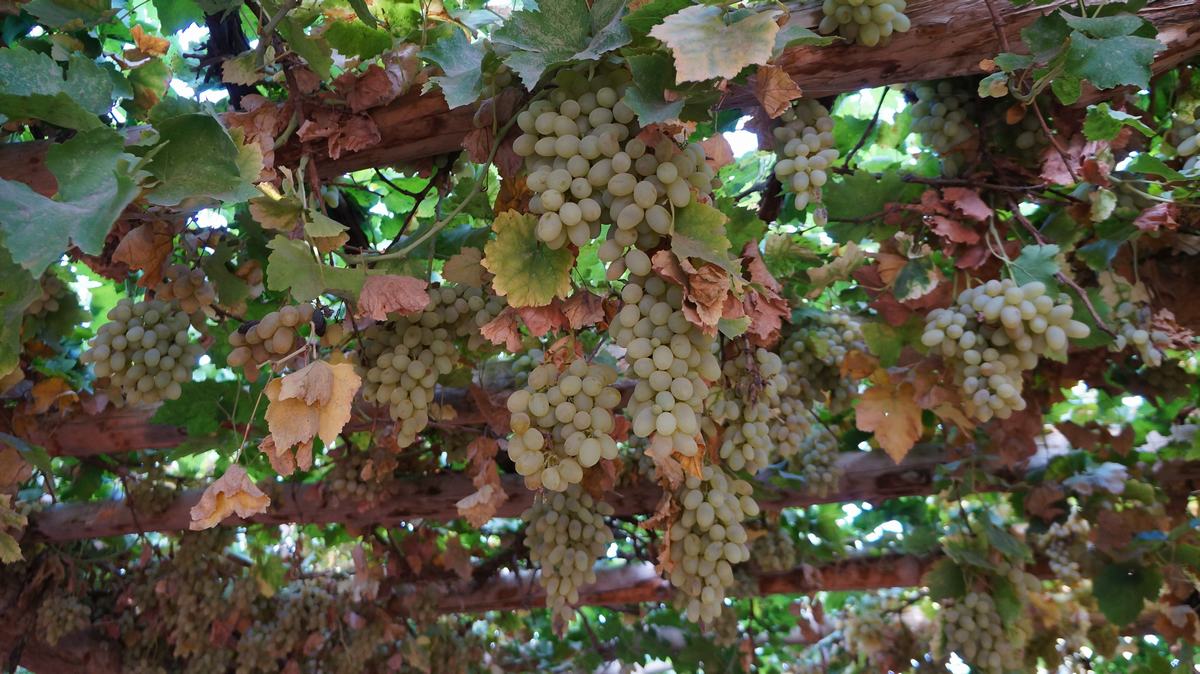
<point>528,272</point>
<point>312,401</point>
<point>313,384</point>
<point>50,391</point>
<point>849,258</point>
<point>465,268</point>
<point>290,421</point>
<point>480,506</point>
<point>234,493</point>
<point>706,47</point>
<point>892,414</point>
<point>149,44</point>
<point>383,294</point>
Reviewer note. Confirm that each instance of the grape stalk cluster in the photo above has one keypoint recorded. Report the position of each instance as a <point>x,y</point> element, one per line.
<point>748,406</point>
<point>813,352</point>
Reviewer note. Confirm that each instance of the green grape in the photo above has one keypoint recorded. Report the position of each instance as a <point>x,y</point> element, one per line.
<point>811,451</point>
<point>562,423</point>
<point>61,614</point>
<point>271,338</point>
<point>188,288</point>
<point>748,406</point>
<point>566,533</point>
<point>813,352</point>
<point>670,361</point>
<point>868,22</point>
<point>55,294</point>
<point>774,551</point>
<point>143,353</point>
<point>942,119</point>
<point>1135,327</point>
<point>995,333</point>
<point>806,152</point>
<point>972,628</point>
<point>707,540</point>
<point>1064,544</point>
<point>418,349</point>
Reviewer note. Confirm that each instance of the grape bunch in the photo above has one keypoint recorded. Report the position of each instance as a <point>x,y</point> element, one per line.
<point>188,288</point>
<point>1062,543</point>
<point>805,147</point>
<point>813,353</point>
<point>418,349</point>
<point>972,628</point>
<point>298,610</point>
<point>270,338</point>
<point>151,492</point>
<point>566,533</point>
<point>55,294</point>
<point>941,117</point>
<point>562,423</point>
<point>774,551</point>
<point>748,406</point>
<point>708,539</point>
<point>1134,325</point>
<point>671,362</point>
<point>811,450</point>
<point>1029,133</point>
<point>871,625</point>
<point>868,22</point>
<point>996,332</point>
<point>61,614</point>
<point>355,477</point>
<point>144,351</point>
<point>587,167</point>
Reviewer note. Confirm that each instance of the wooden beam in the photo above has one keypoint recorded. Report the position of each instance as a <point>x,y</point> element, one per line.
<point>867,476</point>
<point>947,39</point>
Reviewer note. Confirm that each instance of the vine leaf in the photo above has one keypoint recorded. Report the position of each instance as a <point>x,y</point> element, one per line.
<point>461,62</point>
<point>482,504</point>
<point>1104,123</point>
<point>706,47</point>
<point>528,272</point>
<point>352,38</point>
<point>641,19</point>
<point>699,232</point>
<point>311,402</point>
<point>33,85</point>
<point>1122,589</point>
<point>17,291</point>
<point>945,580</point>
<point>561,31</point>
<point>890,411</point>
<point>775,89</point>
<point>291,266</point>
<point>1037,263</point>
<point>234,493</point>
<point>197,158</point>
<point>653,75</point>
<point>465,268</point>
<point>383,294</point>
<point>95,182</point>
<point>146,248</point>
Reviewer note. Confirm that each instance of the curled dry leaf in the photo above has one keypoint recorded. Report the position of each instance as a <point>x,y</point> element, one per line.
<point>146,248</point>
<point>504,329</point>
<point>149,45</point>
<point>583,309</point>
<point>775,89</point>
<point>482,504</point>
<point>383,294</point>
<point>312,402</point>
<point>234,493</point>
<point>890,411</point>
<point>51,392</point>
<point>542,320</point>
<point>286,461</point>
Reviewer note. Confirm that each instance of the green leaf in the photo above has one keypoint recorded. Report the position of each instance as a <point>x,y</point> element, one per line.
<point>649,15</point>
<point>1105,26</point>
<point>743,226</point>
<point>1104,123</point>
<point>199,410</point>
<point>1067,88</point>
<point>1122,589</point>
<point>886,342</point>
<point>794,35</point>
<point>945,580</point>
<point>528,272</point>
<point>1007,544</point>
<point>1112,62</point>
<point>915,280</point>
<point>70,15</point>
<point>95,186</point>
<point>706,47</point>
<point>1099,254</point>
<point>314,50</point>
<point>33,85</point>
<point>462,66</point>
<point>10,550</point>
<point>1008,603</point>
<point>1036,263</point>
<point>653,74</point>
<point>149,82</point>
<point>197,159</point>
<point>1145,163</point>
<point>1011,63</point>
<point>364,13</point>
<point>860,196</point>
<point>699,232</point>
<point>1045,36</point>
<point>175,15</point>
<point>351,38</point>
<point>291,266</point>
<point>560,31</point>
<point>231,289</point>
<point>18,289</point>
